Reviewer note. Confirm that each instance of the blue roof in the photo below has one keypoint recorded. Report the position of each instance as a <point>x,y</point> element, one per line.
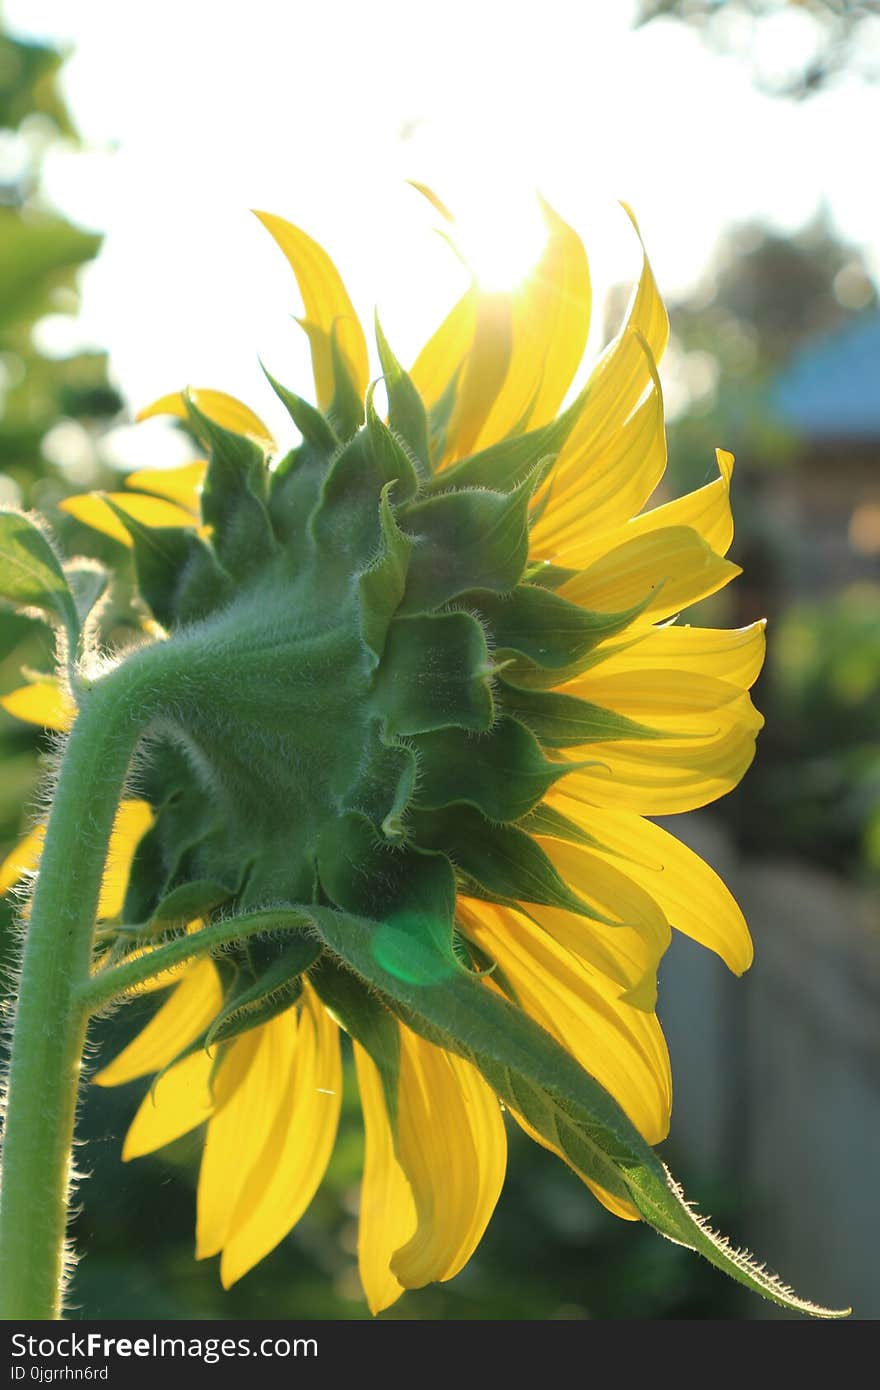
<point>831,389</point>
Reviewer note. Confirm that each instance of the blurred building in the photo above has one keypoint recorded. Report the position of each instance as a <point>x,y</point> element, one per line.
<point>829,398</point>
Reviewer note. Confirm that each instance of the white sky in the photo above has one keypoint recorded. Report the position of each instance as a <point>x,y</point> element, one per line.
<point>197,110</point>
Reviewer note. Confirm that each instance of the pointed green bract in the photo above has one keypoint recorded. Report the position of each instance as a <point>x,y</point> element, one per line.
<point>506,464</point>
<point>314,427</point>
<point>434,675</point>
<point>475,539</point>
<point>234,497</point>
<point>502,862</point>
<point>502,772</point>
<point>383,585</point>
<point>406,413</point>
<point>544,627</point>
<point>264,990</point>
<point>564,721</point>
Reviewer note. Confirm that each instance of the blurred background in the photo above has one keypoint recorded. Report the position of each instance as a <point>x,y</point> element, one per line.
<point>132,145</point>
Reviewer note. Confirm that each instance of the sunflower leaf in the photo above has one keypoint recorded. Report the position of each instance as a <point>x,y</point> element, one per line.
<point>31,575</point>
<point>366,1020</point>
<point>536,1077</point>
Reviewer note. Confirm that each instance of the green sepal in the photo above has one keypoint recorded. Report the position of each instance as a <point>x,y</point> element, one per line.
<point>382,586</point>
<point>548,630</point>
<point>546,820</point>
<point>31,575</point>
<point>504,465</point>
<point>88,581</point>
<point>346,410</point>
<point>393,459</point>
<point>160,858</point>
<point>314,427</point>
<point>406,411</point>
<point>434,673</point>
<point>383,786</point>
<point>278,985</point>
<point>503,772</point>
<point>474,539</point>
<point>177,573</point>
<point>188,901</point>
<point>410,895</point>
<point>439,416</point>
<point>501,861</point>
<point>347,522</point>
<point>366,1020</point>
<point>234,497</point>
<point>533,1075</point>
<point>564,721</point>
<point>546,575</point>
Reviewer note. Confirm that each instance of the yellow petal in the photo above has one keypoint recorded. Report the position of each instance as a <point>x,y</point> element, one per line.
<point>182,1018</point>
<point>688,891</point>
<point>484,373</point>
<point>133,820</point>
<point>551,320</point>
<point>23,859</point>
<point>387,1216</point>
<point>248,1093</point>
<point>606,488</point>
<point>182,485</point>
<point>671,568</point>
<point>41,702</point>
<point>178,1102</point>
<point>327,304</point>
<point>706,511</point>
<point>683,703</point>
<point>735,655</point>
<point>443,355</point>
<point>453,1148</point>
<point>629,953</point>
<point>622,373</point>
<point>225,410</point>
<point>91,509</point>
<point>668,775</point>
<point>622,1047</point>
<point>291,1165</point>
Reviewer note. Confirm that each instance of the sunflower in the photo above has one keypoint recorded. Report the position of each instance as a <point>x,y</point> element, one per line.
<point>431,681</point>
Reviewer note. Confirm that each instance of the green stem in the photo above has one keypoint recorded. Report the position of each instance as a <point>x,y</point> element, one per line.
<point>50,1021</point>
<point>116,980</point>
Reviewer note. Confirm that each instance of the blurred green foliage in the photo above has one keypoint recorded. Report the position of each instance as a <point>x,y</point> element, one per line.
<point>828,38</point>
<point>814,790</point>
<point>41,256</point>
<point>817,790</point>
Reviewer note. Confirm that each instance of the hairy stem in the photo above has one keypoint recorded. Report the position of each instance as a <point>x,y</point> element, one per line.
<point>50,1020</point>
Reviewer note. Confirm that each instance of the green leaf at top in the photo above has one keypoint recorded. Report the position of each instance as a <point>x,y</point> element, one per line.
<point>536,1077</point>
<point>31,575</point>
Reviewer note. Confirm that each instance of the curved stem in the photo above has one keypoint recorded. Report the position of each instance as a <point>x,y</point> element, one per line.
<point>116,980</point>
<point>50,1021</point>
